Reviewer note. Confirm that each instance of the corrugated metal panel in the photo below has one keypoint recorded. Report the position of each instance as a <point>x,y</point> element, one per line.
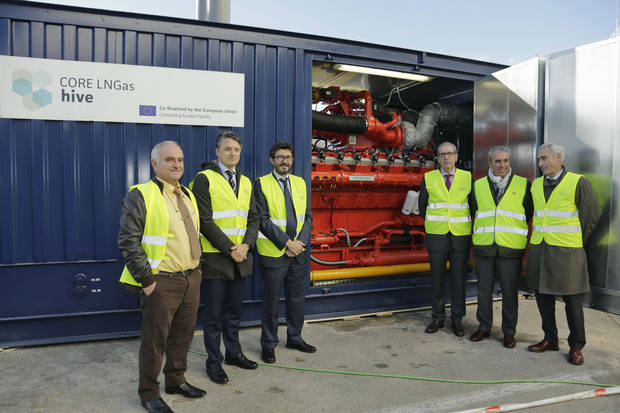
<point>67,179</point>
<point>64,181</point>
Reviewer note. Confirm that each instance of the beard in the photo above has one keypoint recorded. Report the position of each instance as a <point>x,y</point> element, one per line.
<point>283,169</point>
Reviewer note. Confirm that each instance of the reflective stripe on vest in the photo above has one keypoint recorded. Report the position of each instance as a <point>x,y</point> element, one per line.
<point>556,221</point>
<point>448,210</point>
<point>156,225</point>
<point>505,223</point>
<point>277,210</point>
<point>230,213</point>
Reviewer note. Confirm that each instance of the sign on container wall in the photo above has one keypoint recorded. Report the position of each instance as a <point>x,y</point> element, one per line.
<point>51,89</point>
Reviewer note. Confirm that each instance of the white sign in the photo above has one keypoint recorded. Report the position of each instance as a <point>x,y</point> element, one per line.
<point>68,90</point>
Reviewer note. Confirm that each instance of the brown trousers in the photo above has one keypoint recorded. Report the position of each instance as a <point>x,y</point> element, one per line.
<point>168,324</point>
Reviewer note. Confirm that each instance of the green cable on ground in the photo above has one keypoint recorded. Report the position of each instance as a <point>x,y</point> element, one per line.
<point>395,376</point>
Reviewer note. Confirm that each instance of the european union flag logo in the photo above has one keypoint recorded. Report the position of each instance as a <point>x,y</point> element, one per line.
<point>148,110</point>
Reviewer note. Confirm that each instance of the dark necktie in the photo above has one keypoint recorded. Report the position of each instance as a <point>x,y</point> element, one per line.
<point>231,179</point>
<point>448,181</point>
<point>291,219</point>
<point>550,181</point>
<point>194,242</point>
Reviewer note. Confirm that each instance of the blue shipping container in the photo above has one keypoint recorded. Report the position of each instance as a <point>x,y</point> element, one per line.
<point>63,181</point>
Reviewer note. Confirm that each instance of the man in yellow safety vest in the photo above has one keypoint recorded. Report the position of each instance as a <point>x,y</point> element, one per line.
<point>285,222</point>
<point>159,241</point>
<point>503,207</point>
<point>565,214</point>
<point>444,201</point>
<point>228,227</point>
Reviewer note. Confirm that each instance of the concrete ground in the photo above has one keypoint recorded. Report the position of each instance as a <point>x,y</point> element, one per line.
<point>102,376</point>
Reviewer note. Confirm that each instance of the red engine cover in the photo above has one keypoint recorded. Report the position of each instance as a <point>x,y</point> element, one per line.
<point>365,202</point>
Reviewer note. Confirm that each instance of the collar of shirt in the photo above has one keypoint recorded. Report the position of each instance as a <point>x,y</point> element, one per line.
<point>168,187</point>
<point>278,177</point>
<point>555,178</point>
<point>452,172</point>
<point>224,169</point>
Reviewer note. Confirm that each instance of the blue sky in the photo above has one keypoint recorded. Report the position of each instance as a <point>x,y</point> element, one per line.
<point>502,31</point>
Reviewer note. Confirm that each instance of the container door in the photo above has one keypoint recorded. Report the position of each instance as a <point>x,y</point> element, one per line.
<point>507,111</point>
<point>582,96</point>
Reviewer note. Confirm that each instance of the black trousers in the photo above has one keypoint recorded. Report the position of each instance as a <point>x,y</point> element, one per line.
<point>573,305</point>
<point>294,278</point>
<point>507,271</point>
<point>168,324</point>
<point>458,267</point>
<point>223,300</point>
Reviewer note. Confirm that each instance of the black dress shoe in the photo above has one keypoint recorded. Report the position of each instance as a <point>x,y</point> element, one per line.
<point>457,329</point>
<point>216,373</point>
<point>268,355</point>
<point>301,346</point>
<point>186,390</point>
<point>156,406</point>
<point>434,326</point>
<point>241,361</point>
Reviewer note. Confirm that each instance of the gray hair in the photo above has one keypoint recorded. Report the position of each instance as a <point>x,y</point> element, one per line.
<point>155,151</point>
<point>496,149</point>
<point>554,148</point>
<point>446,143</point>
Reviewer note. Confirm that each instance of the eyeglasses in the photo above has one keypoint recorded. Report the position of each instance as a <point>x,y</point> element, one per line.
<point>446,154</point>
<point>281,158</point>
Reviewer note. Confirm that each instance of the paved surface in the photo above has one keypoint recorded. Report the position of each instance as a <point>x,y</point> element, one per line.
<point>102,376</point>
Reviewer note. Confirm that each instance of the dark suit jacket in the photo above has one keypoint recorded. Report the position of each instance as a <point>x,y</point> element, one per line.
<point>438,242</point>
<point>219,265</point>
<point>276,235</point>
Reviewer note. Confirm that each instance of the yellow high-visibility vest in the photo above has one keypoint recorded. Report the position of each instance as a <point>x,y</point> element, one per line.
<point>277,210</point>
<point>155,227</point>
<point>504,223</point>
<point>230,213</point>
<point>557,220</point>
<point>448,210</point>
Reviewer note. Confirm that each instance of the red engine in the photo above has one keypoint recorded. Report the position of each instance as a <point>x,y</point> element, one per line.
<point>362,171</point>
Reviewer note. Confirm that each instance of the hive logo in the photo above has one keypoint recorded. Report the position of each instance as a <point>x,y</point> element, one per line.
<point>30,86</point>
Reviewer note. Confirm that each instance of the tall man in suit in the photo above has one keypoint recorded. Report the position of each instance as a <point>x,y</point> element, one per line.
<point>285,224</point>
<point>159,241</point>
<point>565,214</point>
<point>503,207</point>
<point>444,201</point>
<point>228,227</point>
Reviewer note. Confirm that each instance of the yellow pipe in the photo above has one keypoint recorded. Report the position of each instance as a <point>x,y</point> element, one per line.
<point>361,272</point>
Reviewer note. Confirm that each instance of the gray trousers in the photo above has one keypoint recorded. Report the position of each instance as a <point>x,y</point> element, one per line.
<point>507,271</point>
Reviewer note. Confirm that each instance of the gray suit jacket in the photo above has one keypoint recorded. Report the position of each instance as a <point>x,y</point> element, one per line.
<point>276,235</point>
